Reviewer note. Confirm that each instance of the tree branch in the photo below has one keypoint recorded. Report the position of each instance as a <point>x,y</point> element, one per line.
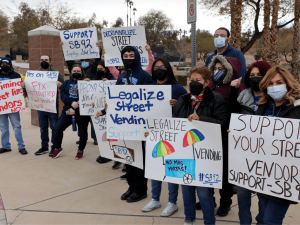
<point>283,25</point>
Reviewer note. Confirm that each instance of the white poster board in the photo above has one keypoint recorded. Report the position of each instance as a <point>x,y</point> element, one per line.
<point>11,96</point>
<point>264,155</point>
<point>183,152</point>
<point>80,43</point>
<point>130,105</point>
<point>92,92</point>
<point>41,87</point>
<point>115,39</point>
<point>128,152</point>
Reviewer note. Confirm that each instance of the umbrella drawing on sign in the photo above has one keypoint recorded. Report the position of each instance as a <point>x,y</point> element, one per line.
<point>191,137</point>
<point>162,149</point>
<point>104,138</point>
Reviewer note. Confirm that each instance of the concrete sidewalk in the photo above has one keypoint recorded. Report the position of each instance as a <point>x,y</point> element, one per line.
<point>41,190</point>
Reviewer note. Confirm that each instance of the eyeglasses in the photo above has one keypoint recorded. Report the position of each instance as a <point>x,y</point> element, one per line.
<point>220,35</point>
<point>159,67</point>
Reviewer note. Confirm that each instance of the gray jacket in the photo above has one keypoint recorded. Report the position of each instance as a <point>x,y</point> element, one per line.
<point>246,101</point>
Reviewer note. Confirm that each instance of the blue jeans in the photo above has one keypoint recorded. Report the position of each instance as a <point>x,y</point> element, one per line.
<point>244,202</point>
<point>270,212</point>
<point>4,127</point>
<point>156,190</point>
<point>43,123</point>
<point>206,201</point>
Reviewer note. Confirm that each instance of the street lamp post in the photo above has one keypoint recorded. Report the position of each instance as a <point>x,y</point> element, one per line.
<point>130,4</point>
<point>127,1</point>
<point>134,10</point>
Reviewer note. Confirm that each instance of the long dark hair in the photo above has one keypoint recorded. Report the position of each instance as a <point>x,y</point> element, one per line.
<point>171,76</point>
<point>82,71</point>
<point>101,63</point>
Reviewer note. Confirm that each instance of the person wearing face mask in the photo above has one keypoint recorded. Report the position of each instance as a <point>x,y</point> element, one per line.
<point>134,75</point>
<point>205,105</point>
<point>221,41</point>
<point>117,71</point>
<point>224,70</point>
<point>162,74</point>
<point>69,96</point>
<point>246,103</point>
<point>8,73</point>
<point>44,117</point>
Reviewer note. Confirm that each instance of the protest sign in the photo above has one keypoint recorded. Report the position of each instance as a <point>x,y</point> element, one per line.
<point>130,105</point>
<point>264,155</point>
<point>183,152</point>
<point>92,92</point>
<point>115,39</point>
<point>128,152</point>
<point>41,87</point>
<point>80,43</point>
<point>11,96</point>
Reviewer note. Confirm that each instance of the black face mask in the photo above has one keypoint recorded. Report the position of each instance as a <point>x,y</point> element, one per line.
<point>128,63</point>
<point>5,68</point>
<point>196,88</point>
<point>160,74</point>
<point>76,75</point>
<point>100,73</point>
<point>254,83</point>
<point>44,65</point>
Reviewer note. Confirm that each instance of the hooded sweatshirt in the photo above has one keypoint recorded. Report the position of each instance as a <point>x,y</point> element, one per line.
<point>10,75</point>
<point>69,93</point>
<point>136,75</point>
<point>231,52</point>
<point>233,67</point>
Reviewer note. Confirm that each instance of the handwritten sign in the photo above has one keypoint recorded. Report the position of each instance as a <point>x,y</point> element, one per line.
<point>264,155</point>
<point>128,152</point>
<point>41,89</point>
<point>92,92</point>
<point>115,39</point>
<point>80,43</point>
<point>130,105</point>
<point>183,152</point>
<point>11,96</point>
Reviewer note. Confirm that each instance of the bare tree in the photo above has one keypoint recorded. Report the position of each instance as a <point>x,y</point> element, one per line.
<point>266,31</point>
<point>296,42</point>
<point>273,36</point>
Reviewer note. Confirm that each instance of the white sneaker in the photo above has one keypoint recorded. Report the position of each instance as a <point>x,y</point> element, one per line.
<point>153,204</point>
<point>170,209</point>
<point>190,223</point>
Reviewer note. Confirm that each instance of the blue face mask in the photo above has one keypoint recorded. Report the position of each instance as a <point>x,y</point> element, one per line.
<point>218,75</point>
<point>220,42</point>
<point>277,92</point>
<point>84,64</point>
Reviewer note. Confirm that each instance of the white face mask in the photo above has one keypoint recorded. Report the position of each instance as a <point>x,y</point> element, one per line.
<point>220,42</point>
<point>277,92</point>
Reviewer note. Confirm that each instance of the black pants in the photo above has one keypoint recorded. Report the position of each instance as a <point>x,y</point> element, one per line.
<point>226,192</point>
<point>136,176</point>
<point>64,122</point>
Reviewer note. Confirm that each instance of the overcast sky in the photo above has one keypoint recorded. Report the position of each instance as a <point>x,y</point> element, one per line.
<point>110,10</point>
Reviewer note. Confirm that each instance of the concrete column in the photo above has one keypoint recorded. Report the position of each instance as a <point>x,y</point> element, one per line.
<point>45,40</point>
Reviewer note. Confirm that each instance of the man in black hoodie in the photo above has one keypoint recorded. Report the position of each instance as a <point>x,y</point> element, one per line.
<point>134,75</point>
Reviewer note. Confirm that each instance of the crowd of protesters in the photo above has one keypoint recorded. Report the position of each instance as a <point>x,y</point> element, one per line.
<point>222,87</point>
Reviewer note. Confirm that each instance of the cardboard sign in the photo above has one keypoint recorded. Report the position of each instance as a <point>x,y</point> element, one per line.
<point>128,152</point>
<point>264,155</point>
<point>80,43</point>
<point>183,152</point>
<point>92,92</point>
<point>11,96</point>
<point>41,87</point>
<point>130,105</point>
<point>115,39</point>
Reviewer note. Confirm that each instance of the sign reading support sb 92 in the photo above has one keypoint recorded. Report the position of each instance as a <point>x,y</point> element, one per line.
<point>191,11</point>
<point>115,39</point>
<point>80,43</point>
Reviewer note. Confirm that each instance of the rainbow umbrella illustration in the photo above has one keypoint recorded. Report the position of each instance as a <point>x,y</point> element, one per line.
<point>104,138</point>
<point>162,149</point>
<point>191,137</point>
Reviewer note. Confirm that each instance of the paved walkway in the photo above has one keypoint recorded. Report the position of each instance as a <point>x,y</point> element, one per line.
<point>41,190</point>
